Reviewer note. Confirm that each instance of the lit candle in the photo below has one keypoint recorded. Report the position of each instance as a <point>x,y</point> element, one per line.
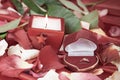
<point>53,27</point>
<point>46,23</point>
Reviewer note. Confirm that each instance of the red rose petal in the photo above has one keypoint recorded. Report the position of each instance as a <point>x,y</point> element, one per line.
<point>113,20</point>
<point>7,67</point>
<point>24,76</point>
<point>110,54</point>
<point>7,78</point>
<point>112,5</point>
<point>63,77</point>
<point>89,1</point>
<point>49,59</point>
<point>20,36</point>
<point>2,23</point>
<point>114,31</point>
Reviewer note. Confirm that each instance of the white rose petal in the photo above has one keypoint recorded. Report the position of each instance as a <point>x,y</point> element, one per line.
<point>103,12</point>
<point>51,75</point>
<point>24,54</point>
<point>85,24</point>
<point>3,47</point>
<point>114,76</point>
<point>22,64</point>
<point>15,50</point>
<point>29,54</point>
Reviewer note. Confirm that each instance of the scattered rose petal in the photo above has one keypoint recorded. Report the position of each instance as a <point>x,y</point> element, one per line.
<point>51,75</point>
<point>22,64</point>
<point>3,11</point>
<point>25,54</point>
<point>111,5</point>
<point>38,75</point>
<point>81,76</point>
<point>78,14</point>
<point>37,65</point>
<point>15,50</point>
<point>3,47</point>
<point>114,31</point>
<point>64,76</point>
<point>111,53</point>
<point>25,76</point>
<point>85,25</point>
<point>2,77</point>
<point>49,59</point>
<point>117,64</point>
<point>103,12</point>
<point>2,22</point>
<point>19,36</point>
<point>12,66</point>
<point>110,68</point>
<point>13,10</point>
<point>98,71</point>
<point>114,76</point>
<point>29,54</point>
<point>111,20</point>
<point>99,31</point>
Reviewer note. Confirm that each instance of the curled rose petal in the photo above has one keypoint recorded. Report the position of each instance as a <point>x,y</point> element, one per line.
<point>110,20</point>
<point>114,31</point>
<point>98,71</point>
<point>51,74</point>
<point>38,75</point>
<point>85,25</point>
<point>103,12</point>
<point>6,3</point>
<point>24,76</point>
<point>2,22</point>
<point>37,66</point>
<point>111,53</point>
<point>3,47</point>
<point>117,64</point>
<point>13,10</point>
<point>99,31</point>
<point>63,76</point>
<point>114,76</point>
<point>21,64</point>
<point>81,76</point>
<point>84,76</point>
<point>12,66</point>
<point>19,36</point>
<point>3,11</point>
<point>25,54</point>
<point>2,77</point>
<point>111,5</point>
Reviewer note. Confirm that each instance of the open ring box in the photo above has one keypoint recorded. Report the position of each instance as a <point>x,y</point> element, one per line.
<point>53,27</point>
<point>80,51</point>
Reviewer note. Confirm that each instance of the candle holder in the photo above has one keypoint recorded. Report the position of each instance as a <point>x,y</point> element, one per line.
<point>52,27</point>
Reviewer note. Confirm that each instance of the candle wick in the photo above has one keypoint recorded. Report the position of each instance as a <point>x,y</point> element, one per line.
<point>46,26</point>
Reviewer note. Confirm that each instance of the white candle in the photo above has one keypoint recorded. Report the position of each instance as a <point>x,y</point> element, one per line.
<point>46,23</point>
